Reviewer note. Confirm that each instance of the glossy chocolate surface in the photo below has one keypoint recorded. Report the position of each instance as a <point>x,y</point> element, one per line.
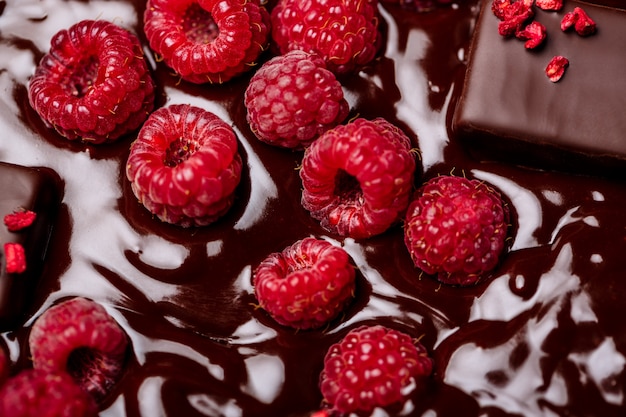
<point>37,190</point>
<point>543,336</point>
<point>509,110</point>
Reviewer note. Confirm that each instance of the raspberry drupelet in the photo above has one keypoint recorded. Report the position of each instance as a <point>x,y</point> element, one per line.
<point>344,33</point>
<point>207,41</point>
<point>185,165</point>
<point>292,99</point>
<point>93,85</point>
<point>456,229</point>
<point>78,337</point>
<point>306,285</point>
<point>373,366</point>
<point>357,178</point>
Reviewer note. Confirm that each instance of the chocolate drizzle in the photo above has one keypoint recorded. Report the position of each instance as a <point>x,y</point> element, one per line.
<point>543,335</point>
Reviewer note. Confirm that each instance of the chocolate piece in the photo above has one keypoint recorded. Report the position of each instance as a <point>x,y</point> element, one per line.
<point>509,110</point>
<point>34,189</point>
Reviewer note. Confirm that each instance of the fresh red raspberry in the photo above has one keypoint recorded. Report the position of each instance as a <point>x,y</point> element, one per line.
<point>207,40</point>
<point>357,178</point>
<point>344,33</point>
<point>185,165</point>
<point>35,393</point>
<point>93,84</point>
<point>456,229</point>
<point>373,367</point>
<point>306,285</point>
<point>80,338</point>
<point>292,99</point>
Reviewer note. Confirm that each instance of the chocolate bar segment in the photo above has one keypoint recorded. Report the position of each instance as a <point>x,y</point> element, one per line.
<point>510,111</point>
<point>24,188</point>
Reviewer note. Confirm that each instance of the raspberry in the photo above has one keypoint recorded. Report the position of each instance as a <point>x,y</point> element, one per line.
<point>555,5</point>
<point>344,33</point>
<point>580,20</point>
<point>513,15</point>
<point>78,337</point>
<point>185,165</point>
<point>357,177</point>
<point>37,393</point>
<point>534,33</point>
<point>556,68</point>
<point>15,258</point>
<point>93,84</point>
<point>207,40</point>
<point>292,99</point>
<point>306,285</point>
<point>372,367</point>
<point>456,229</point>
<point>19,219</point>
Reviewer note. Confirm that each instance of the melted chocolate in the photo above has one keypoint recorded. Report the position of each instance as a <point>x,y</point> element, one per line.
<point>543,335</point>
<point>509,110</point>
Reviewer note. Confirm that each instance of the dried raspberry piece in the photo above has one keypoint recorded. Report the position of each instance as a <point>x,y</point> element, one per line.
<point>456,229</point>
<point>292,99</point>
<point>19,219</point>
<point>93,84</point>
<point>580,21</point>
<point>553,5</point>
<point>80,338</point>
<point>373,367</point>
<point>43,394</point>
<point>534,33</point>
<point>207,40</point>
<point>344,33</point>
<point>357,177</point>
<point>306,285</point>
<point>185,165</point>
<point>15,258</point>
<point>517,14</point>
<point>556,68</point>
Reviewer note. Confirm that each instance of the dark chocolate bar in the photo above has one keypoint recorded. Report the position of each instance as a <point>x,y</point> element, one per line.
<point>510,111</point>
<point>37,190</point>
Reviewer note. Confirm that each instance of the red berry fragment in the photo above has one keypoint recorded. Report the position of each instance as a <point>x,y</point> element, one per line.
<point>554,5</point>
<point>15,258</point>
<point>556,68</point>
<point>35,393</point>
<point>534,33</point>
<point>357,177</point>
<point>344,33</point>
<point>512,15</point>
<point>456,229</point>
<point>580,20</point>
<point>93,84</point>
<point>372,367</point>
<point>80,338</point>
<point>19,219</point>
<point>207,40</point>
<point>185,165</point>
<point>306,285</point>
<point>292,99</point>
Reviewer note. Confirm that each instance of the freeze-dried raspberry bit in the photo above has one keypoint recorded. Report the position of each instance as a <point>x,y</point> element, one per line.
<point>78,337</point>
<point>580,21</point>
<point>512,15</point>
<point>306,285</point>
<point>373,367</point>
<point>556,68</point>
<point>15,258</point>
<point>551,5</point>
<point>534,33</point>
<point>207,41</point>
<point>456,229</point>
<point>93,84</point>
<point>292,99</point>
<point>36,393</point>
<point>344,33</point>
<point>19,219</point>
<point>185,165</point>
<point>357,177</point>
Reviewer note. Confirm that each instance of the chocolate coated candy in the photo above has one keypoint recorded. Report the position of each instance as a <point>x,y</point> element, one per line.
<point>510,110</point>
<point>23,188</point>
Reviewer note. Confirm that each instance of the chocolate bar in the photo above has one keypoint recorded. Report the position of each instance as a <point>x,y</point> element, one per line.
<point>510,111</point>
